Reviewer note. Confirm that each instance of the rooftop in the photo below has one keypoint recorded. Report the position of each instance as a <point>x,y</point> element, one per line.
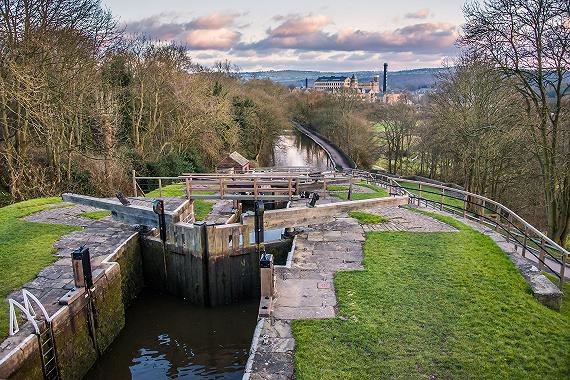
<point>332,79</point>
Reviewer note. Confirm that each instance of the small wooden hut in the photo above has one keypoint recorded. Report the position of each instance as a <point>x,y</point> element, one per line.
<point>233,163</point>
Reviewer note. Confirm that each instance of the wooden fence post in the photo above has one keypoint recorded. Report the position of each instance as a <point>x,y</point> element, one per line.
<point>442,198</point>
<point>255,188</point>
<point>134,183</point>
<point>421,196</point>
<point>160,187</point>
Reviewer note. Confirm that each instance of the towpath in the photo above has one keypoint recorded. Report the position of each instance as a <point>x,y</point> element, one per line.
<point>338,157</point>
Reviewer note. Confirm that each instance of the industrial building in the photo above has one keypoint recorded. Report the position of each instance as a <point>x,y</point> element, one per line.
<point>367,91</point>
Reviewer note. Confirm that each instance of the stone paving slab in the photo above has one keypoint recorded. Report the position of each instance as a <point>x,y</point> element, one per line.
<point>67,214</point>
<point>274,352</point>
<point>306,291</point>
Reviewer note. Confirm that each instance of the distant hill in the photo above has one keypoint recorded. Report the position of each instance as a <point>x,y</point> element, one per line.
<point>410,80</point>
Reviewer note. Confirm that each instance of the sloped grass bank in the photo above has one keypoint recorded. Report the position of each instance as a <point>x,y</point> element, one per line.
<point>377,192</point>
<point>432,194</point>
<point>434,305</point>
<point>25,248</point>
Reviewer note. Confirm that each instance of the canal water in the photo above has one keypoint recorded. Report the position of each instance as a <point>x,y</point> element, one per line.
<point>295,149</point>
<point>167,338</point>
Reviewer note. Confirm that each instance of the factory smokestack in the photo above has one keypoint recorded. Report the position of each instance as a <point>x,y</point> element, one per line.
<point>385,80</point>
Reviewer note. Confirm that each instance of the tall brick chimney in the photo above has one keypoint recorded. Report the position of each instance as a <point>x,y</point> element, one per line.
<point>385,80</point>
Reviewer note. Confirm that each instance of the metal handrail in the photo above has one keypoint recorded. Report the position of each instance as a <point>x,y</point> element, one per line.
<point>503,212</point>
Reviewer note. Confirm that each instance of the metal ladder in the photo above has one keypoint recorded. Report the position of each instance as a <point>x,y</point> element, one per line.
<point>47,352</point>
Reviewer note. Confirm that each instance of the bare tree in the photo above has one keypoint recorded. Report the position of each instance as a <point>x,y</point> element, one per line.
<point>399,122</point>
<point>529,41</point>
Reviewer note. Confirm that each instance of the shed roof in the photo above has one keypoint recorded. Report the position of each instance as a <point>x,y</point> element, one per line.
<point>239,158</point>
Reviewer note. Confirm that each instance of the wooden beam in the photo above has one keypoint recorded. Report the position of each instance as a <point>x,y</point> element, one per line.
<point>304,216</point>
<point>132,214</point>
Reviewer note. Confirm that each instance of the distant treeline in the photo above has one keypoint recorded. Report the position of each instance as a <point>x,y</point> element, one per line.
<point>82,104</point>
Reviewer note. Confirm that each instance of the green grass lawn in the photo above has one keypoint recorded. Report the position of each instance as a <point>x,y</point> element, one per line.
<point>201,207</point>
<point>95,215</point>
<point>366,218</point>
<point>414,189</point>
<point>434,306</point>
<point>25,248</point>
<point>378,192</point>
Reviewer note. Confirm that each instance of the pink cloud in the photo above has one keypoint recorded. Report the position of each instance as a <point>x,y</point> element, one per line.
<point>214,21</point>
<point>221,39</point>
<point>206,32</point>
<point>296,26</point>
<point>420,14</point>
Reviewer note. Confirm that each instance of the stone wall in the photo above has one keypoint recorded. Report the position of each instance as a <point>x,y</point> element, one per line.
<point>25,361</point>
<point>129,258</point>
<point>115,285</point>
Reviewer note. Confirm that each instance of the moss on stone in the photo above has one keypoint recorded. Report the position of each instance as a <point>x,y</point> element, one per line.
<point>132,278</point>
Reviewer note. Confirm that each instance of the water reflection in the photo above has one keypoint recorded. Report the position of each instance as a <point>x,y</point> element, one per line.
<point>166,338</point>
<point>295,149</point>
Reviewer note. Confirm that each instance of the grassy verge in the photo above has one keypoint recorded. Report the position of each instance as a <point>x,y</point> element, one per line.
<point>377,192</point>
<point>201,207</point>
<point>428,193</point>
<point>366,218</point>
<point>95,215</point>
<point>25,248</point>
<point>434,305</point>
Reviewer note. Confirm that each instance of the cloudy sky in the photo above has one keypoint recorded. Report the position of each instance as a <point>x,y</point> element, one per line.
<point>302,34</point>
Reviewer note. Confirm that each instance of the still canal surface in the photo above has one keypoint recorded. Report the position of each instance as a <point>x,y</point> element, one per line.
<point>295,149</point>
<point>167,338</point>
